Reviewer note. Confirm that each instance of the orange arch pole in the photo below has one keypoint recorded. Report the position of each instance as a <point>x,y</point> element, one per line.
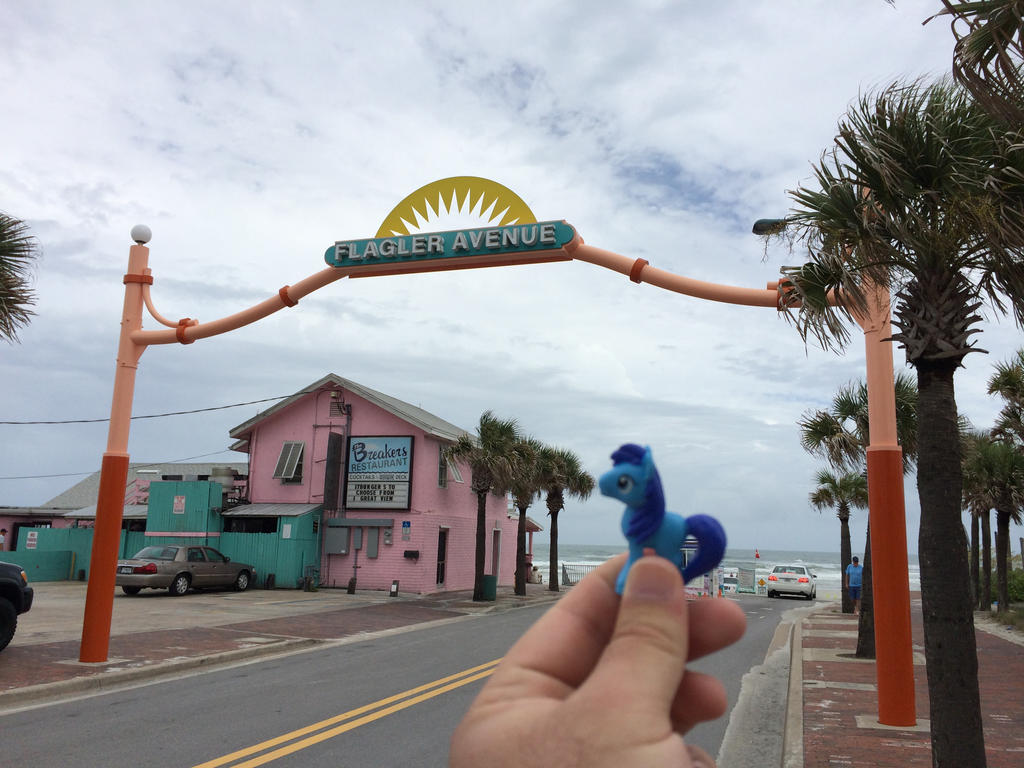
<point>639,271</point>
<point>890,582</point>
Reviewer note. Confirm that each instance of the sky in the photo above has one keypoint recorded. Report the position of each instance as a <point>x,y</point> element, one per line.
<point>251,136</point>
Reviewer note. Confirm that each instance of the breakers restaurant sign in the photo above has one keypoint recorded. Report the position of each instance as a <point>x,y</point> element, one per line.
<point>378,472</point>
<point>486,241</point>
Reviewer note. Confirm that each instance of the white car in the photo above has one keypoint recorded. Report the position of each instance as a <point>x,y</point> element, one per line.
<point>730,585</point>
<point>792,580</point>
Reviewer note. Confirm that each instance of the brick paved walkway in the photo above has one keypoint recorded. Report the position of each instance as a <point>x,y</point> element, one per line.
<point>840,704</point>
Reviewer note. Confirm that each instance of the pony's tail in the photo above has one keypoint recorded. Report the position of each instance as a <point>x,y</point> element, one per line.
<point>710,538</point>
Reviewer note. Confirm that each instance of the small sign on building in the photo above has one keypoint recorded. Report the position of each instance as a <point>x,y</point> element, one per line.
<point>31,539</point>
<point>179,505</point>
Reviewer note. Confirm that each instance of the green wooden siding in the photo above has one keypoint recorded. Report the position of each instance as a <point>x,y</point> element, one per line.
<point>198,507</point>
<point>61,553</point>
<point>42,565</point>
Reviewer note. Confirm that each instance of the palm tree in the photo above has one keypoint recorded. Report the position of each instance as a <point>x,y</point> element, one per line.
<point>1008,383</point>
<point>996,481</point>
<point>988,53</point>
<point>840,435</point>
<point>978,501</point>
<point>524,487</point>
<point>18,251</point>
<point>898,202</point>
<point>841,492</point>
<point>560,472</point>
<point>492,462</point>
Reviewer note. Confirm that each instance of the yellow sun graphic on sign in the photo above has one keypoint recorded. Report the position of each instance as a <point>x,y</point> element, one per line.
<point>491,201</point>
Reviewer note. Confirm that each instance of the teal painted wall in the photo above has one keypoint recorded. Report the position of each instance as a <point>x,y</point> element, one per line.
<point>201,510</point>
<point>75,541</point>
<point>270,553</point>
<point>42,565</point>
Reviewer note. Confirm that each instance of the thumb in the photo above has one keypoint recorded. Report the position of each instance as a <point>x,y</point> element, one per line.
<point>644,661</point>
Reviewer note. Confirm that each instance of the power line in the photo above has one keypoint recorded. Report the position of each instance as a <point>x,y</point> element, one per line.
<point>153,415</point>
<point>137,466</point>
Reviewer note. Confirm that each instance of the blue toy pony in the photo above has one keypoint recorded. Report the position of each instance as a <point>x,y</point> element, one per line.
<point>645,524</point>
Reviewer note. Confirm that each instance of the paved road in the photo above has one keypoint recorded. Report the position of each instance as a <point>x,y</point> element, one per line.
<point>388,701</point>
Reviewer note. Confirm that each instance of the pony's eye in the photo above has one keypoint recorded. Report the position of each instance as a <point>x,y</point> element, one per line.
<point>625,483</point>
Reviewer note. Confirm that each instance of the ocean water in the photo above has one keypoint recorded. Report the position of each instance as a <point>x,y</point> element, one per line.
<point>823,564</point>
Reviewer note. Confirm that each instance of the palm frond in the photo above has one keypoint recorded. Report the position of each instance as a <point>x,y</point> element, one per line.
<point>18,253</point>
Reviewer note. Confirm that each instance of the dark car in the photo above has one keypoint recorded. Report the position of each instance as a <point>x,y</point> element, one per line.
<point>178,568</point>
<point>15,599</point>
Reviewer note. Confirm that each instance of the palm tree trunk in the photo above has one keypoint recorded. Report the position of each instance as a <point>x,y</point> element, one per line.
<point>866,622</point>
<point>1002,558</point>
<point>521,553</point>
<point>845,555</point>
<point>975,593</point>
<point>481,545</point>
<point>985,596</point>
<point>553,559</point>
<point>949,640</point>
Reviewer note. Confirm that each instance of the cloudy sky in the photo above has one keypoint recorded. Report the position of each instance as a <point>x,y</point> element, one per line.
<point>251,136</point>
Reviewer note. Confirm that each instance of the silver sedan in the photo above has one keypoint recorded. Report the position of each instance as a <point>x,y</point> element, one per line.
<point>180,568</point>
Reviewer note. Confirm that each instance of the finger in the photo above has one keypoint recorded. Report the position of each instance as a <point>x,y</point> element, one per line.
<point>699,758</point>
<point>644,661</point>
<point>560,650</point>
<point>714,624</point>
<point>699,698</point>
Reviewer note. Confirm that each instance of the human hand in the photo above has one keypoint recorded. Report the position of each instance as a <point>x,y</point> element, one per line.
<point>602,681</point>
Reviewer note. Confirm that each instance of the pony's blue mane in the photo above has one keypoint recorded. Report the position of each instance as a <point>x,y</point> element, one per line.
<point>647,516</point>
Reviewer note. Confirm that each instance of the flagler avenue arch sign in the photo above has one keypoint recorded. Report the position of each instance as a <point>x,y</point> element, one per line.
<point>399,251</point>
<point>511,235</point>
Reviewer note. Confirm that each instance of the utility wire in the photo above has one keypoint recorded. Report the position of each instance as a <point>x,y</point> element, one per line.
<point>153,415</point>
<point>137,467</point>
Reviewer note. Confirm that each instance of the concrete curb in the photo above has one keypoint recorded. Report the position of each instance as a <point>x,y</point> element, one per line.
<point>793,733</point>
<point>34,694</point>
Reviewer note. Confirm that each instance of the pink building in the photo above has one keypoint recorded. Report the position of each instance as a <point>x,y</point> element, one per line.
<point>393,510</point>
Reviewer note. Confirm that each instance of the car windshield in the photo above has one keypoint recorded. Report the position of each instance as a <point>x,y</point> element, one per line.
<point>799,569</point>
<point>156,553</point>
<point>731,580</point>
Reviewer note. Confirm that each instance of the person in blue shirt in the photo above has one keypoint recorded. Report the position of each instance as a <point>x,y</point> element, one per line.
<point>852,581</point>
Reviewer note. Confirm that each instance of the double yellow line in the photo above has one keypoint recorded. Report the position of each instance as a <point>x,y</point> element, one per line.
<point>294,741</point>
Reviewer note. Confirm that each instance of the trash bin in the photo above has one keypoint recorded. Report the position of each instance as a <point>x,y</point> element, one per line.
<point>490,587</point>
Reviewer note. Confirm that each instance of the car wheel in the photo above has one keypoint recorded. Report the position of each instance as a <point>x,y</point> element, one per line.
<point>771,594</point>
<point>131,590</point>
<point>242,582</point>
<point>180,585</point>
<point>8,622</point>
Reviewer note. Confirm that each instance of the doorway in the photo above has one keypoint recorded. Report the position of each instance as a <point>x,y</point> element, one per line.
<point>442,554</point>
<point>495,551</point>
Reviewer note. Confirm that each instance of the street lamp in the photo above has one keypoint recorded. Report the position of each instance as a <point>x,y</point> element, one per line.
<point>764,227</point>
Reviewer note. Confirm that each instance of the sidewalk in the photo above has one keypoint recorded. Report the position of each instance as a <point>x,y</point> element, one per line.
<point>154,634</point>
<point>838,723</point>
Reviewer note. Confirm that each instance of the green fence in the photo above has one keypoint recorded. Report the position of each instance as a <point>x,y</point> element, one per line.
<point>269,554</point>
<point>43,566</point>
<point>65,553</point>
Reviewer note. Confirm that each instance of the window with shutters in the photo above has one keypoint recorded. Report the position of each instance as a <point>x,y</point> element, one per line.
<point>289,463</point>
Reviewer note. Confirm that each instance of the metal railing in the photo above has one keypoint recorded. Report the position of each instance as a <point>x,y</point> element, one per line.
<point>573,572</point>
